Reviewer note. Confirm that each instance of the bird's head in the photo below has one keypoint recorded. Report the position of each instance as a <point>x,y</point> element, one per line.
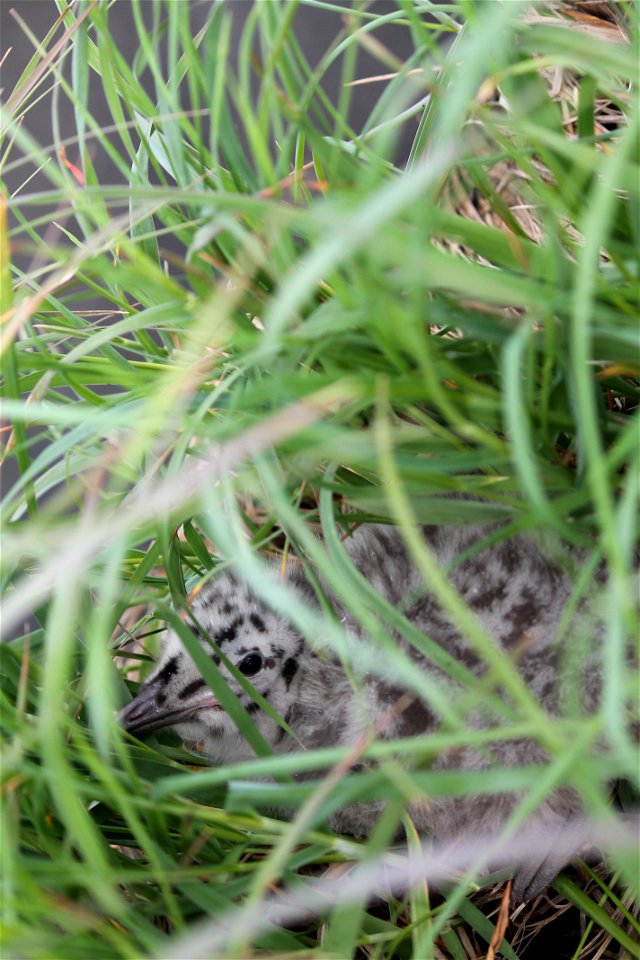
<point>261,644</point>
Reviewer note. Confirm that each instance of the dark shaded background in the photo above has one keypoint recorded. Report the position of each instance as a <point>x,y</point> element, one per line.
<point>315,30</point>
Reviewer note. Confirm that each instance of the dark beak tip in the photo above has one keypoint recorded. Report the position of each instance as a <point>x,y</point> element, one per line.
<point>142,710</point>
<point>143,715</point>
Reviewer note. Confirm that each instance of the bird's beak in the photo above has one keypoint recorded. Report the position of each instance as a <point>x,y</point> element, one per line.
<point>144,714</point>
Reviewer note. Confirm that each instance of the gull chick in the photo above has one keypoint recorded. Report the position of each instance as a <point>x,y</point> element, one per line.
<point>516,593</point>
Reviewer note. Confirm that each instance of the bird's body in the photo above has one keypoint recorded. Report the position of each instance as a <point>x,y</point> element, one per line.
<point>515,591</point>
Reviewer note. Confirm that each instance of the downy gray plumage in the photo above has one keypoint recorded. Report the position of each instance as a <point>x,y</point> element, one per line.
<point>518,595</point>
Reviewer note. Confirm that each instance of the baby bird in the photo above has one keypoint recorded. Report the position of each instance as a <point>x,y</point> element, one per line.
<point>517,594</point>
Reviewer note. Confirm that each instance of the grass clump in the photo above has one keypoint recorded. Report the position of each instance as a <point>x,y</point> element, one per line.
<point>236,311</point>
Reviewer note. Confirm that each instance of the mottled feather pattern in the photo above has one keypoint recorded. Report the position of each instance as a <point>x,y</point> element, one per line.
<point>514,589</point>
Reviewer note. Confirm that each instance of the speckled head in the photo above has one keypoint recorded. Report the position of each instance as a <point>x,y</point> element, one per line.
<point>263,646</point>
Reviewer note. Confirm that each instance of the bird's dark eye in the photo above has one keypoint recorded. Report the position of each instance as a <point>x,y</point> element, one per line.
<point>251,664</point>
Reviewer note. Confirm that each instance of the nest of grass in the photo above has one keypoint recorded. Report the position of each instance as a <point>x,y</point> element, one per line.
<point>499,197</point>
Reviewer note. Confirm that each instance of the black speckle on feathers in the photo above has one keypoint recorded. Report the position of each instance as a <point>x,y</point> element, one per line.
<point>168,671</point>
<point>289,670</point>
<point>231,631</point>
<point>191,688</point>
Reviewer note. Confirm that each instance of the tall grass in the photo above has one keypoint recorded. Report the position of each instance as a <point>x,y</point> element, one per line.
<point>266,318</point>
